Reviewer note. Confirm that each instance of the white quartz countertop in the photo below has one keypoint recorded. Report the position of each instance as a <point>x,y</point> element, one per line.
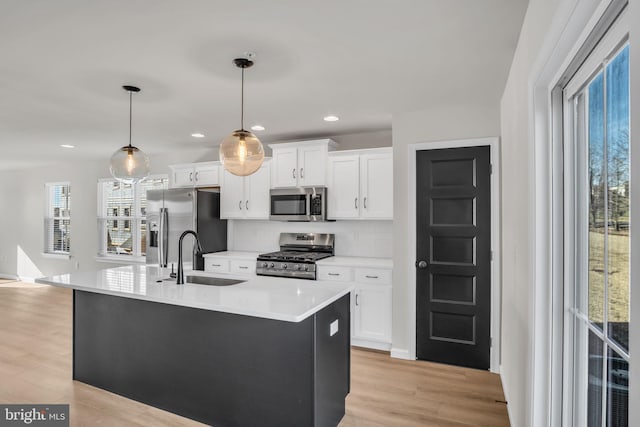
<point>291,300</point>
<point>348,261</point>
<point>233,254</point>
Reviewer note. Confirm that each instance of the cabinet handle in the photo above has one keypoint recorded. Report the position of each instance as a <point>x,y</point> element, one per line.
<point>191,176</point>
<point>333,274</point>
<point>216,265</point>
<point>244,267</point>
<point>365,203</point>
<point>294,173</point>
<point>355,202</point>
<point>196,176</point>
<point>246,205</point>
<point>240,205</point>
<point>371,277</point>
<point>302,173</point>
<point>357,299</point>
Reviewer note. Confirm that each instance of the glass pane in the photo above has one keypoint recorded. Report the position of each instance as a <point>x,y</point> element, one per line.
<point>61,235</point>
<point>594,388</point>
<point>143,237</point>
<point>618,198</point>
<point>617,390</point>
<point>596,200</point>
<point>119,239</point>
<point>60,200</point>
<point>118,197</point>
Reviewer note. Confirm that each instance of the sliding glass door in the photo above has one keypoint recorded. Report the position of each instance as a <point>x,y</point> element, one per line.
<point>597,297</point>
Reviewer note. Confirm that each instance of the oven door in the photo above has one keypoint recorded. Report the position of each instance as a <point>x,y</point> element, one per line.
<point>291,204</point>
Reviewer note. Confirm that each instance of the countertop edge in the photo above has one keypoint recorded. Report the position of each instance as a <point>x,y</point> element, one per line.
<point>222,309</point>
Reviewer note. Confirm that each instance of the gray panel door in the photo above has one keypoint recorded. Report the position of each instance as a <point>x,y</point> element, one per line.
<point>453,253</point>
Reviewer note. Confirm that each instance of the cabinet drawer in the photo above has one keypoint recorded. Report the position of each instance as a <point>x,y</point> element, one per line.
<point>336,274</point>
<point>373,276</point>
<point>245,266</point>
<point>216,265</point>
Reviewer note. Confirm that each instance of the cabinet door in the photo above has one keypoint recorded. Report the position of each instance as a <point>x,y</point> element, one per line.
<point>232,201</point>
<point>312,166</point>
<point>372,313</point>
<point>206,175</point>
<point>285,164</point>
<point>376,186</point>
<point>256,193</point>
<point>182,176</point>
<point>343,200</point>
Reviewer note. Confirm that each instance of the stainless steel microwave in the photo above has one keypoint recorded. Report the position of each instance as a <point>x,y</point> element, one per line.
<point>299,204</point>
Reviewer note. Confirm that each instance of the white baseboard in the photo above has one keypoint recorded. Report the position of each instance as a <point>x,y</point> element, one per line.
<point>400,353</point>
<point>8,277</point>
<point>506,394</point>
<point>27,279</point>
<point>371,344</point>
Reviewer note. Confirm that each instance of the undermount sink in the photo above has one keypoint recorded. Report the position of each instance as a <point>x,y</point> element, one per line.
<point>212,281</point>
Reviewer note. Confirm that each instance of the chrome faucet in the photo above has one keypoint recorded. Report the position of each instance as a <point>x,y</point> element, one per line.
<point>180,275</point>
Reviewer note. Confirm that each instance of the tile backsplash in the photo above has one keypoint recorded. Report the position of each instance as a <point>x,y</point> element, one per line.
<point>353,238</point>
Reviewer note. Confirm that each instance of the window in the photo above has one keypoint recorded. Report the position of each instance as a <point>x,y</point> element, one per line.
<point>122,224</point>
<point>57,221</point>
<point>598,100</point>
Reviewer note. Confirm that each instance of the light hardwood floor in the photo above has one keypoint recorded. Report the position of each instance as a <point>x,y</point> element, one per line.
<point>35,367</point>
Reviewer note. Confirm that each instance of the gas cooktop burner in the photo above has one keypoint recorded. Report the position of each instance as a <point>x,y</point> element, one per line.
<point>297,255</point>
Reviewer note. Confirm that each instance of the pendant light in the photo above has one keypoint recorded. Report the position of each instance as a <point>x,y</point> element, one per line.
<point>129,164</point>
<point>241,153</point>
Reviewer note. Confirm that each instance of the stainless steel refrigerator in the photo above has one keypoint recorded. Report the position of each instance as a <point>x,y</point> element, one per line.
<point>170,212</point>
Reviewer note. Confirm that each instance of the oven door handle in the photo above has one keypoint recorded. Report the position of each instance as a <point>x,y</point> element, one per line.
<point>308,212</point>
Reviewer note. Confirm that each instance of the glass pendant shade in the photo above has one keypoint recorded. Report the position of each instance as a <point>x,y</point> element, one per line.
<point>241,153</point>
<point>129,165</point>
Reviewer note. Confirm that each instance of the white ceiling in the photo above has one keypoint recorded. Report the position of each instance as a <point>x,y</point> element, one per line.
<point>63,64</point>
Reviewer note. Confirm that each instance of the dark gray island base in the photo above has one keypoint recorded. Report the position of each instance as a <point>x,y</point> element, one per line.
<point>217,368</point>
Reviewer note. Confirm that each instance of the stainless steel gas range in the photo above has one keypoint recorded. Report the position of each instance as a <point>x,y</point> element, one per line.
<point>297,255</point>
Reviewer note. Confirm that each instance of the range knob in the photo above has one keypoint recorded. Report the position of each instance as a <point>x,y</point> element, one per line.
<point>284,266</point>
<point>306,268</point>
<point>272,265</point>
<point>265,264</point>
<point>298,266</point>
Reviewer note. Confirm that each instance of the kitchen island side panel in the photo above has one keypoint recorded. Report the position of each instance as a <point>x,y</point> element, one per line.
<point>218,368</point>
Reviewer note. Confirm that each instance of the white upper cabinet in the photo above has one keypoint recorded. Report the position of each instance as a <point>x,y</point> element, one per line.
<point>360,184</point>
<point>300,164</point>
<point>205,174</point>
<point>243,197</point>
<point>343,188</point>
<point>376,185</point>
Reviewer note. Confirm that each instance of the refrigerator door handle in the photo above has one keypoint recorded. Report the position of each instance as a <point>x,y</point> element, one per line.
<point>163,239</point>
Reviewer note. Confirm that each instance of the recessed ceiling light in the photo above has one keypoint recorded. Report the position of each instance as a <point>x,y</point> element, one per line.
<point>67,146</point>
<point>257,127</point>
<point>197,135</point>
<point>331,118</point>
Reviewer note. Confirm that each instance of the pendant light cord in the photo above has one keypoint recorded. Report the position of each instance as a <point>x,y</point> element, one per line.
<point>242,102</point>
<point>130,116</point>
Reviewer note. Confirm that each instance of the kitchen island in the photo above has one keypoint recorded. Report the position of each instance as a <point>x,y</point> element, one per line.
<point>267,351</point>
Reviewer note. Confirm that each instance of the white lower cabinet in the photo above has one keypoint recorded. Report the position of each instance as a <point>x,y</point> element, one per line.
<point>228,265</point>
<point>370,303</point>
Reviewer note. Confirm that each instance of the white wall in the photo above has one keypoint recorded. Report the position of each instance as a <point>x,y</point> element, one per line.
<point>442,124</point>
<point>21,219</point>
<point>353,238</point>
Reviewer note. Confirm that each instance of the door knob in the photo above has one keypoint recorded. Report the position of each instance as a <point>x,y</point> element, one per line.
<point>421,264</point>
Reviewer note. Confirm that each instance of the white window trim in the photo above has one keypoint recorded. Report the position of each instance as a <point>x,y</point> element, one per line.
<point>102,255</point>
<point>572,27</point>
<point>62,255</point>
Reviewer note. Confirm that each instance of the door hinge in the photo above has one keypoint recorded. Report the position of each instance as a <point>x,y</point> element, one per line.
<point>490,169</point>
<point>490,255</point>
<point>490,342</point>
